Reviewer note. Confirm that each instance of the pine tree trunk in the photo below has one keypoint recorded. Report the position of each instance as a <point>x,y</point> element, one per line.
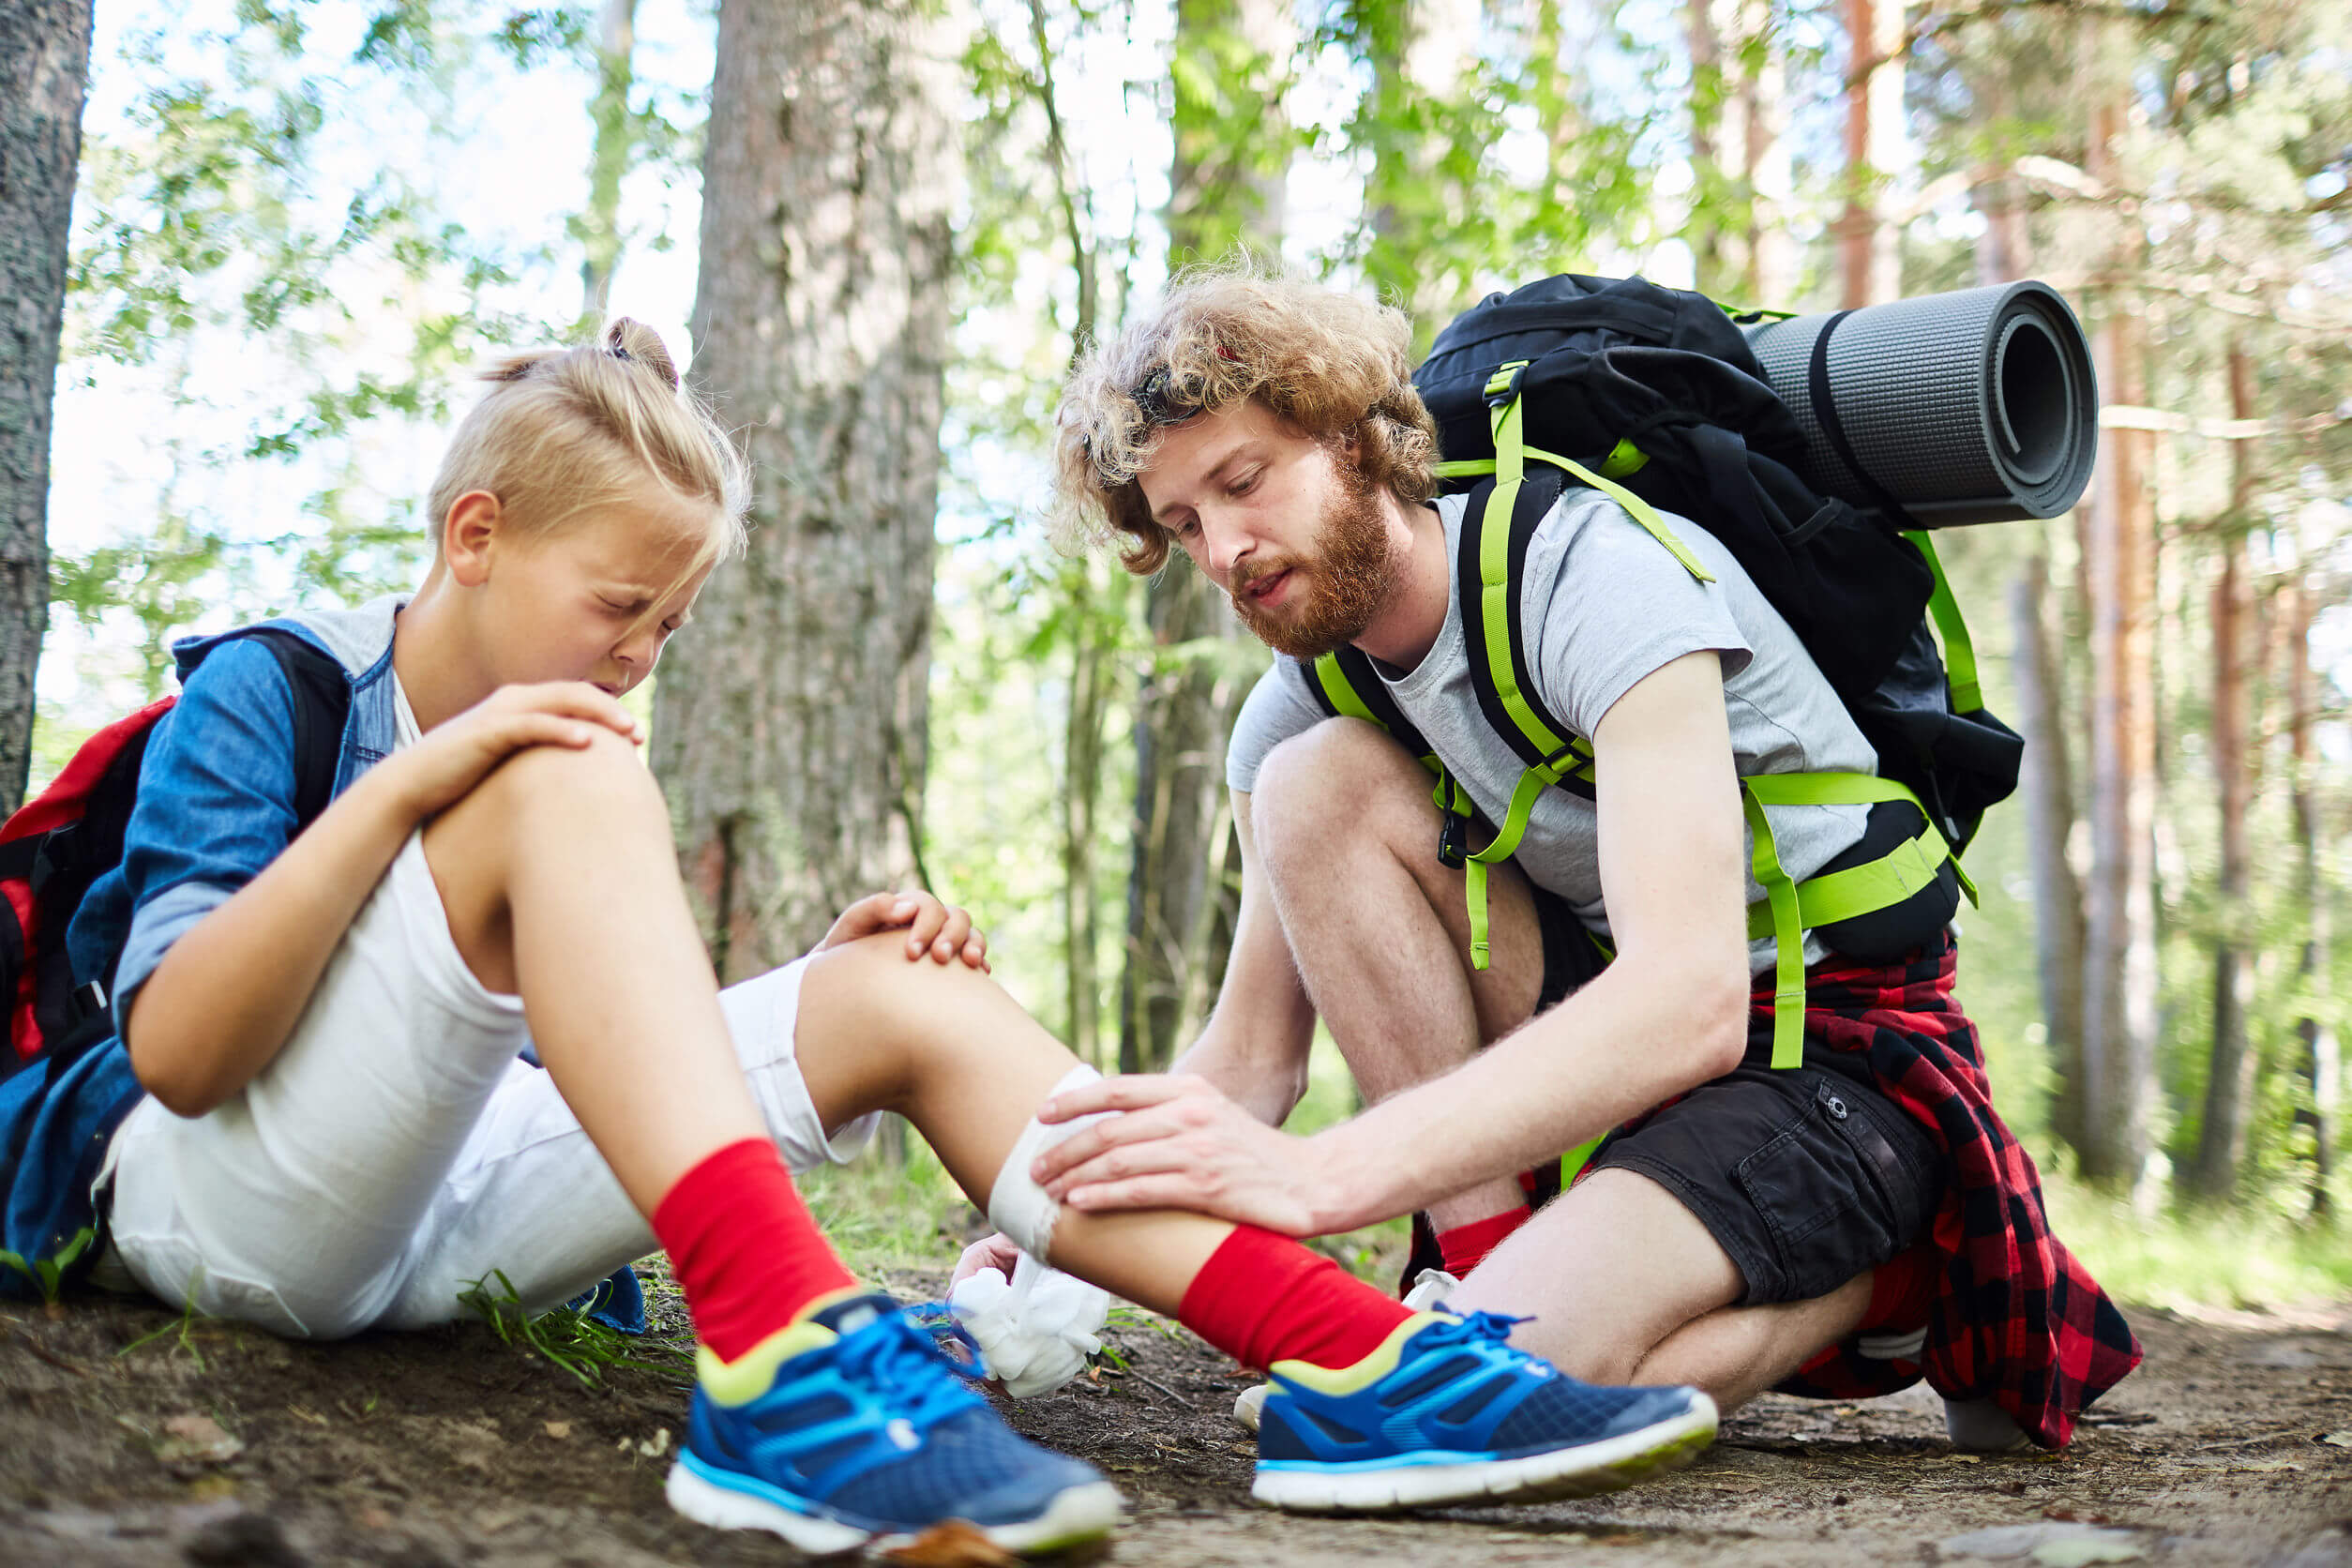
<point>2119,1003</point>
<point>2323,1053</point>
<point>1870,262</point>
<point>1177,940</point>
<point>599,223</point>
<point>2049,790</point>
<point>788,723</point>
<point>44,71</point>
<point>2229,1088</point>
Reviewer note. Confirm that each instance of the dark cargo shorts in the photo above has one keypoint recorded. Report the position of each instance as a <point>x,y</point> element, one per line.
<point>1806,1176</point>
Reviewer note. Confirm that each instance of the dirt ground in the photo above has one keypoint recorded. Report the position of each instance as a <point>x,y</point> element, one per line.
<point>215,1445</point>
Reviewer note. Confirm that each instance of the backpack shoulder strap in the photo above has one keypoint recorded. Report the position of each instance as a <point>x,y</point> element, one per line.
<point>322,704</point>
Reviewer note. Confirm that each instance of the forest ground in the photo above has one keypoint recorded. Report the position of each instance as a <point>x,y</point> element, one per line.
<point>129,1436</point>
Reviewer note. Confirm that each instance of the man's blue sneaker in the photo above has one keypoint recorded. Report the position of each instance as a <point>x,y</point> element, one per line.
<point>850,1428</point>
<point>1446,1411</point>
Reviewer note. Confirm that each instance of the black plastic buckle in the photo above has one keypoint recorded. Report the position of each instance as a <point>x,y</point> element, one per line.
<point>1452,841</point>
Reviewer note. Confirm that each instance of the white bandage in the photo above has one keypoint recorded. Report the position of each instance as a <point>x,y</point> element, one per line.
<point>1017,1204</point>
<point>1034,1332</point>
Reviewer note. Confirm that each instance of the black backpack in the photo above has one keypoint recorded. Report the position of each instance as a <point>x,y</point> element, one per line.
<point>1654,397</point>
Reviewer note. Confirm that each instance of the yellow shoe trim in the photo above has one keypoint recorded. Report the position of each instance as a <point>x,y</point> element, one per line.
<point>749,1375</point>
<point>1343,1381</point>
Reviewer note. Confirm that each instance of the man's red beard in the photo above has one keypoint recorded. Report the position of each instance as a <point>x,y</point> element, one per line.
<point>1339,588</point>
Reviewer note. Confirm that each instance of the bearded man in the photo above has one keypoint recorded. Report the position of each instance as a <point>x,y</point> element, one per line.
<point>1837,1226</point>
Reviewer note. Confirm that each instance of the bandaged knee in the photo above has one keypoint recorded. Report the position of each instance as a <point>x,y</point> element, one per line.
<point>1017,1206</point>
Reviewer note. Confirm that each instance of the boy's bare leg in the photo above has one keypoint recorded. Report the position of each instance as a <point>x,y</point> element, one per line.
<point>948,1049</point>
<point>560,884</point>
<point>1397,993</point>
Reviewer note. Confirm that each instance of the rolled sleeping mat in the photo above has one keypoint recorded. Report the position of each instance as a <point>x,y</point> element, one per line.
<point>1975,406</point>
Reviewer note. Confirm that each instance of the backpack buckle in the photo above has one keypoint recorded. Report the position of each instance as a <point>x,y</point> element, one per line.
<point>1452,842</point>
<point>1503,384</point>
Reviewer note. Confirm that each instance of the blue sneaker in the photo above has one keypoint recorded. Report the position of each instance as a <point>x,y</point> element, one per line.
<point>848,1429</point>
<point>1446,1411</point>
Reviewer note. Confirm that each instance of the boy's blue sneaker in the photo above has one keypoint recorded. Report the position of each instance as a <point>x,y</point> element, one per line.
<point>848,1427</point>
<point>1446,1411</point>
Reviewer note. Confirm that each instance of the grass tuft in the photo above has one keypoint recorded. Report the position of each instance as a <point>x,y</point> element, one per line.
<point>571,1339</point>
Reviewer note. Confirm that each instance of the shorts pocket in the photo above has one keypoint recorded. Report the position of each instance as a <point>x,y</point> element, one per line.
<point>1835,1193</point>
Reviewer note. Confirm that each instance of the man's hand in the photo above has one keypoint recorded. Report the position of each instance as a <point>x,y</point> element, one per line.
<point>943,930</point>
<point>452,757</point>
<point>1184,1145</point>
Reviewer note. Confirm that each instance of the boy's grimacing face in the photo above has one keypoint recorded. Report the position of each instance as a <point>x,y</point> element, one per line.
<point>593,600</point>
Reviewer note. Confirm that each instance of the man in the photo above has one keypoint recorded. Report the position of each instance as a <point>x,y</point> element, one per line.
<point>1851,1219</point>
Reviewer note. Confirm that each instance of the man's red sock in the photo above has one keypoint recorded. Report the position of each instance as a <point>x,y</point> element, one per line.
<point>1465,1245</point>
<point>1262,1298</point>
<point>747,1253</point>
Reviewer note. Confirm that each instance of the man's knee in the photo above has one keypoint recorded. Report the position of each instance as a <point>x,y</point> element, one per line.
<point>1341,780</point>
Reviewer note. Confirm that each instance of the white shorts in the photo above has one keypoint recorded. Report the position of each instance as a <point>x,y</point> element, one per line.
<point>398,1150</point>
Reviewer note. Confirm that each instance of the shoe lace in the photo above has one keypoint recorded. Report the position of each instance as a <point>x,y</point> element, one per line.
<point>907,1365</point>
<point>1474,1328</point>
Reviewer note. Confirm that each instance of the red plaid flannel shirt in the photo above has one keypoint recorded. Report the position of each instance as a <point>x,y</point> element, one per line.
<point>2016,1319</point>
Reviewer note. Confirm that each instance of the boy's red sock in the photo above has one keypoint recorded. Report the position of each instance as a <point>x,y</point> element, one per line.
<point>745,1251</point>
<point>1465,1245</point>
<point>1262,1298</point>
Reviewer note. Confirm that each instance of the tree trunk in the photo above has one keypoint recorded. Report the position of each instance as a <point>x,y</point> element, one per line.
<point>1771,261</point>
<point>2049,790</point>
<point>2322,1055</point>
<point>2230,1079</point>
<point>44,70</point>
<point>1220,191</point>
<point>599,223</point>
<point>1870,262</point>
<point>789,725</point>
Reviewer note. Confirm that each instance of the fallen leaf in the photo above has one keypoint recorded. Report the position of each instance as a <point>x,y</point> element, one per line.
<point>2052,1546</point>
<point>952,1543</point>
<point>300,1413</point>
<point>2338,1439</point>
<point>559,1430</point>
<point>2082,1549</point>
<point>196,1440</point>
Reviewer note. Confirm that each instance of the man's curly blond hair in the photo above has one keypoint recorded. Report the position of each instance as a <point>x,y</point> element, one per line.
<point>1333,366</point>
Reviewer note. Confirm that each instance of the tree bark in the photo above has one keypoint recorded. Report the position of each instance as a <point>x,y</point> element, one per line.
<point>44,72</point>
<point>599,223</point>
<point>2120,1002</point>
<point>788,724</point>
<point>1220,191</point>
<point>1870,262</point>
<point>2230,1086</point>
<point>2323,1053</point>
<point>2049,790</point>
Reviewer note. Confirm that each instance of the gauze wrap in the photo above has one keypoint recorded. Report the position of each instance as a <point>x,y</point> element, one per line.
<point>1017,1204</point>
<point>1035,1331</point>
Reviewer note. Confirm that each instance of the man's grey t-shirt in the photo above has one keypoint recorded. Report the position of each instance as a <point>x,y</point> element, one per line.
<point>1605,603</point>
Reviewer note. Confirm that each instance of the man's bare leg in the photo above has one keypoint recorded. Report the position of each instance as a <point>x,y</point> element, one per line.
<point>1378,926</point>
<point>1609,1271</point>
<point>1736,1352</point>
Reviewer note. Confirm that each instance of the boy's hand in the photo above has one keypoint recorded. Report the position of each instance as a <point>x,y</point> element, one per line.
<point>989,1252</point>
<point>943,930</point>
<point>453,757</point>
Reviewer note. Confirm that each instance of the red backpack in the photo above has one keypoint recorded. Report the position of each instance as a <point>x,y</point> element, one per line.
<point>56,845</point>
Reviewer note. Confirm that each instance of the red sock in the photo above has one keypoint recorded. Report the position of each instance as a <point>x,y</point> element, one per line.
<point>1465,1245</point>
<point>1262,1298</point>
<point>747,1254</point>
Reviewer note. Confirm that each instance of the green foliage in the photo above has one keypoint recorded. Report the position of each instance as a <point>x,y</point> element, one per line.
<point>570,1339</point>
<point>48,1275</point>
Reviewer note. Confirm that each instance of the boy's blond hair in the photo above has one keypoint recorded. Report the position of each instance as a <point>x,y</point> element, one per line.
<point>565,431</point>
<point>1331,365</point>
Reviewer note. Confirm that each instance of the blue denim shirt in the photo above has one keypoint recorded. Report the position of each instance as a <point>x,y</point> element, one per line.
<point>215,805</point>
